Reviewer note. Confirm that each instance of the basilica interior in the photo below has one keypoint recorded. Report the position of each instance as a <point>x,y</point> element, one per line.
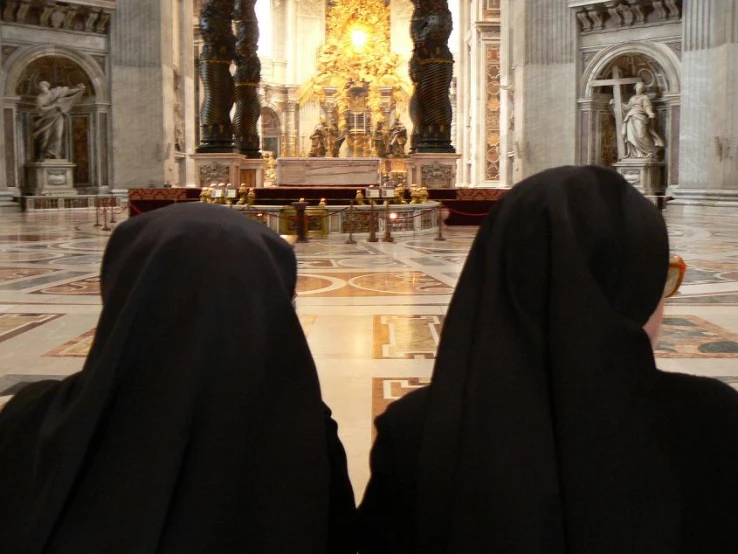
<point>440,106</point>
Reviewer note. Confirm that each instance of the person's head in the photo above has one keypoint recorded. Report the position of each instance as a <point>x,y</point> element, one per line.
<point>542,358</point>
<point>613,238</point>
<point>44,86</point>
<point>675,275</point>
<point>640,88</point>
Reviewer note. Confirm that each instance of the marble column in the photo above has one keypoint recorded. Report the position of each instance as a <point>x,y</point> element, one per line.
<point>545,112</point>
<point>216,133</point>
<point>708,168</point>
<point>246,79</point>
<point>431,70</point>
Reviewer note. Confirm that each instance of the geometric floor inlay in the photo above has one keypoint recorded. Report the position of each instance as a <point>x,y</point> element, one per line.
<point>12,325</point>
<point>78,347</point>
<point>89,286</point>
<point>689,336</point>
<point>13,273</point>
<point>370,284</point>
<point>387,390</point>
<point>406,336</point>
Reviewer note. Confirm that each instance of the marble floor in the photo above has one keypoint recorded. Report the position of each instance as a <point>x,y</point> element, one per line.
<point>372,312</point>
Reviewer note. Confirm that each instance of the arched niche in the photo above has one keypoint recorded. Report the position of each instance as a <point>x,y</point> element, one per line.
<point>271,131</point>
<point>86,130</point>
<point>659,69</point>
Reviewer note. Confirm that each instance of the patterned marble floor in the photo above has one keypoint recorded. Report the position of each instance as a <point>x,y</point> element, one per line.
<point>372,312</point>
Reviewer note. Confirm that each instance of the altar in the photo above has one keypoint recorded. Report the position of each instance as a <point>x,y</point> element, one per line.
<point>319,172</point>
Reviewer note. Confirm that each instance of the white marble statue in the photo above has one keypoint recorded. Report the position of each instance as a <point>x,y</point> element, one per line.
<point>641,139</point>
<point>52,105</point>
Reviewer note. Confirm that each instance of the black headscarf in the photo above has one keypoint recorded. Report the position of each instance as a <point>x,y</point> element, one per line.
<point>537,436</point>
<point>196,424</point>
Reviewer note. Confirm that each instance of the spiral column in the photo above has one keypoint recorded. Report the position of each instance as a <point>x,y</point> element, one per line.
<point>246,79</point>
<point>431,71</point>
<point>216,131</point>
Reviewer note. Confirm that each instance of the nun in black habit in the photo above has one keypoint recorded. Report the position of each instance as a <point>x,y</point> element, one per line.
<point>196,424</point>
<point>547,428</point>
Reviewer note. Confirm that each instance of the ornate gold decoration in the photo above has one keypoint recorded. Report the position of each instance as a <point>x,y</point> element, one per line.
<point>357,49</point>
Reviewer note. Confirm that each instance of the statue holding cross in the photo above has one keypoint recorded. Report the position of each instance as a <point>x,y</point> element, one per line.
<point>636,135</point>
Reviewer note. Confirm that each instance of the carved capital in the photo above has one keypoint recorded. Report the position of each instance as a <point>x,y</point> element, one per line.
<point>584,22</point>
<point>91,20</point>
<point>616,17</point>
<point>102,22</point>
<point>627,13</point>
<point>596,15</point>
<point>46,12</point>
<point>71,12</point>
<point>674,7</point>
<point>659,9</point>
<point>23,11</point>
<point>637,10</point>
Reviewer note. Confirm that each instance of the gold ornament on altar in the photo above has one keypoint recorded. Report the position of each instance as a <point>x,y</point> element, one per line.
<point>242,192</point>
<point>357,50</point>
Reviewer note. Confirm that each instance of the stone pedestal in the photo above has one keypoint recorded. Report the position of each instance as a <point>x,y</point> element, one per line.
<point>229,168</point>
<point>645,174</point>
<point>50,178</point>
<point>434,171</point>
<point>327,171</point>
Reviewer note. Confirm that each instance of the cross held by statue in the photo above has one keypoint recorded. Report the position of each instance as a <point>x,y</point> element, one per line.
<point>616,83</point>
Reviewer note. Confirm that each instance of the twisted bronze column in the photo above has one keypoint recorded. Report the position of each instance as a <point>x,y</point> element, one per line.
<point>248,75</point>
<point>431,71</point>
<point>216,132</point>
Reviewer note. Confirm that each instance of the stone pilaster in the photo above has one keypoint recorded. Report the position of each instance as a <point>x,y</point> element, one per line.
<point>709,118</point>
<point>291,126</point>
<point>431,70</point>
<point>216,133</point>
<point>247,78</point>
<point>544,49</point>
<point>138,107</point>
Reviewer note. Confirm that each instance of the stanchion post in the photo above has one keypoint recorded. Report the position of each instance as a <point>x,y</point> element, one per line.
<point>112,210</point>
<point>97,212</point>
<point>105,219</point>
<point>439,222</point>
<point>387,224</point>
<point>350,239</point>
<point>372,224</point>
<point>300,221</point>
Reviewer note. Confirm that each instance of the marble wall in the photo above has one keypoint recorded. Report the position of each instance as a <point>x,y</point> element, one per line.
<point>709,167</point>
<point>544,49</point>
<point>148,53</point>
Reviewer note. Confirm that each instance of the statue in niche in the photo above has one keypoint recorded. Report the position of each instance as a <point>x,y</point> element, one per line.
<point>52,105</point>
<point>398,139</point>
<point>379,140</point>
<point>317,141</point>
<point>641,139</point>
<point>331,136</point>
<point>338,142</point>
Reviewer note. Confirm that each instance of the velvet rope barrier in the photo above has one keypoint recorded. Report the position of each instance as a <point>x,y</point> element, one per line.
<point>459,212</point>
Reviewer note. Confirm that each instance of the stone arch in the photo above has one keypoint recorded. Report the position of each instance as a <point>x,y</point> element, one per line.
<point>659,67</point>
<point>24,57</point>
<point>270,129</point>
<point>88,126</point>
<point>660,53</point>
